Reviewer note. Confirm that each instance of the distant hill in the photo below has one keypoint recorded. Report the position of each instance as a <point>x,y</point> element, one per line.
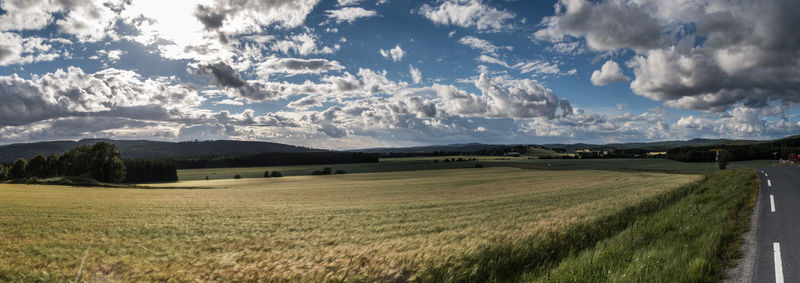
<point>475,147</point>
<point>464,147</point>
<point>785,148</point>
<point>150,149</point>
<point>651,146</point>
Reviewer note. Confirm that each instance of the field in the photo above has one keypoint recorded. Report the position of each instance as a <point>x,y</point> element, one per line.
<point>427,163</point>
<point>435,225</point>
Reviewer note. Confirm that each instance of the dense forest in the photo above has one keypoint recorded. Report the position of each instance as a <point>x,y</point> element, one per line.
<point>484,150</point>
<point>150,170</point>
<point>786,148</point>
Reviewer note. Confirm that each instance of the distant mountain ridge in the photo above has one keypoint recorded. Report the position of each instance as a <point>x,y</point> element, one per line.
<point>472,147</point>
<point>464,147</point>
<point>151,149</point>
<point>653,146</point>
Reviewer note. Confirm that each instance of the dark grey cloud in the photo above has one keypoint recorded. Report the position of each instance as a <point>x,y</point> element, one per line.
<point>223,74</point>
<point>210,17</point>
<point>295,66</point>
<point>748,52</point>
<point>23,102</point>
<point>751,55</point>
<point>566,107</point>
<point>606,26</point>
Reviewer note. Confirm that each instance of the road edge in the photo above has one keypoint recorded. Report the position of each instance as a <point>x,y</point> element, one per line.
<point>743,271</point>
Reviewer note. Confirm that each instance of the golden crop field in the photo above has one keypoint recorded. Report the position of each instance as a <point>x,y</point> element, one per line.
<point>394,226</point>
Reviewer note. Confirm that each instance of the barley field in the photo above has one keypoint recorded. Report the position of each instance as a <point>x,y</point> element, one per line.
<point>402,226</point>
<point>427,163</point>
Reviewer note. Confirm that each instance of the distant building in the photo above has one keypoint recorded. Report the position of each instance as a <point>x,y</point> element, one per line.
<point>513,154</point>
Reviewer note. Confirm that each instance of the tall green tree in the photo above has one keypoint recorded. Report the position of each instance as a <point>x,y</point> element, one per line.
<point>18,169</point>
<point>36,166</point>
<point>52,166</point>
<point>105,163</point>
<point>75,162</point>
<point>3,172</point>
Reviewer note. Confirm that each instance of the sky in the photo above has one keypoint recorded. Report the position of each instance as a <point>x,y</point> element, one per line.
<point>344,74</point>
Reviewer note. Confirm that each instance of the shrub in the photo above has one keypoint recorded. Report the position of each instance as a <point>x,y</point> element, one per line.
<point>266,174</point>
<point>206,178</point>
<point>276,174</point>
<point>724,157</point>
<point>237,176</point>
<point>478,165</point>
<point>340,172</point>
<point>325,171</point>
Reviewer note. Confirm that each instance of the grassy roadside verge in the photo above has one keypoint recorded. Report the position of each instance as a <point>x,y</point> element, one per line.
<point>691,241</point>
<point>502,262</point>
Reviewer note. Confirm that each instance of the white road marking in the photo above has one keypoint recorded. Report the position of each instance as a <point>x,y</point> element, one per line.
<point>776,250</point>
<point>772,202</point>
<point>765,174</point>
<point>769,184</point>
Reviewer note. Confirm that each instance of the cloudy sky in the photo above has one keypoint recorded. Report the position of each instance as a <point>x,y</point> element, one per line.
<point>363,73</point>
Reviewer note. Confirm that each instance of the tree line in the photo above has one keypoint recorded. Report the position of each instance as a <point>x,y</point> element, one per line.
<point>272,159</point>
<point>781,148</point>
<point>101,161</point>
<point>150,170</point>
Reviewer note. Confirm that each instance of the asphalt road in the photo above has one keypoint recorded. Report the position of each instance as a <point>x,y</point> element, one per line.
<point>777,255</point>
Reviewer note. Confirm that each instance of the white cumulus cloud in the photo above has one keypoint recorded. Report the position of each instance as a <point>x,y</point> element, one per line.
<point>395,53</point>
<point>416,75</point>
<point>468,13</point>
<point>608,73</point>
<point>350,14</point>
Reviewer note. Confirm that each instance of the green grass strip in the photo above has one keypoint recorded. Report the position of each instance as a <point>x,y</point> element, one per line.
<point>691,241</point>
<point>502,262</point>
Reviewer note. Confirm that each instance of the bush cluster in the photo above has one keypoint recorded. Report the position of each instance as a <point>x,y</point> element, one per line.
<point>274,174</point>
<point>328,171</point>
<point>460,159</point>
